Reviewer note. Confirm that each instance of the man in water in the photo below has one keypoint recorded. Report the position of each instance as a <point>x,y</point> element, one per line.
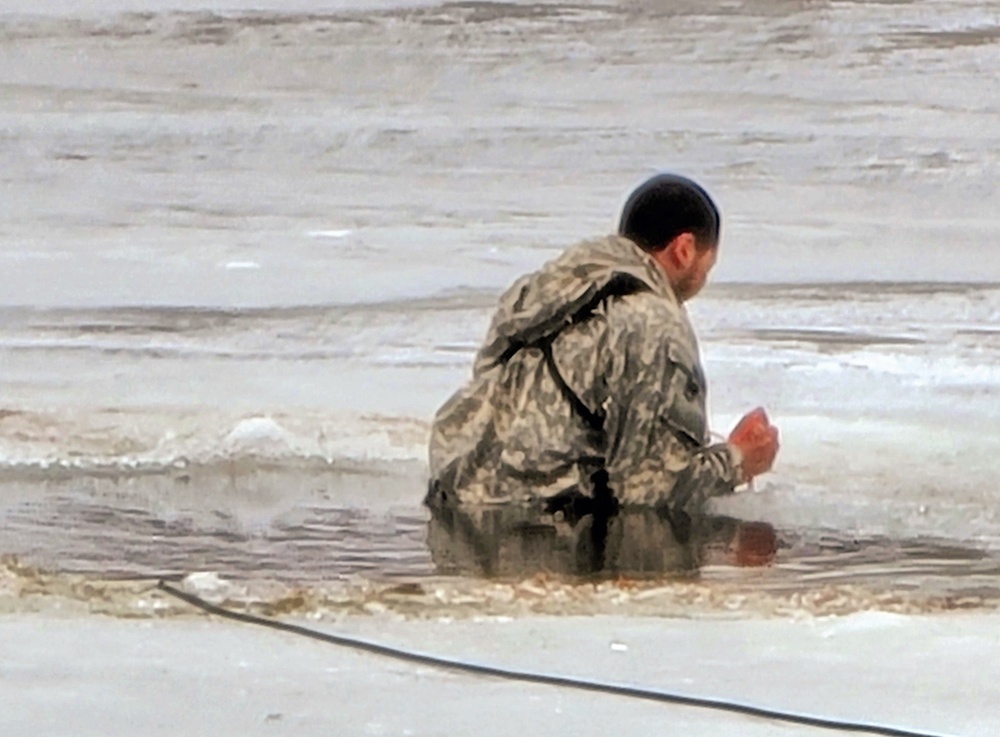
<point>588,397</point>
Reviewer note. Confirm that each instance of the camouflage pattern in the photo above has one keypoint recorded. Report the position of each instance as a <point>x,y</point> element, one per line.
<point>590,363</point>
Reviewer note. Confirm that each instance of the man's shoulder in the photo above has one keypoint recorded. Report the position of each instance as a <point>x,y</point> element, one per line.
<point>643,309</point>
<point>650,328</point>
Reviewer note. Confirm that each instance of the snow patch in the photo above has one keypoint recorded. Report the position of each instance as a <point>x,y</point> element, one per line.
<point>262,436</point>
<point>204,583</point>
<point>329,233</point>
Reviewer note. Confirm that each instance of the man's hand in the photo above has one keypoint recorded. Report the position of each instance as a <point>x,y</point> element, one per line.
<point>757,440</point>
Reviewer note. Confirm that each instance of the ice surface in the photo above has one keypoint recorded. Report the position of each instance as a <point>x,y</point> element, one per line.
<point>97,676</point>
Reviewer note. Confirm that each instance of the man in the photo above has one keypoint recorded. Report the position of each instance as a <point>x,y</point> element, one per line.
<point>588,395</point>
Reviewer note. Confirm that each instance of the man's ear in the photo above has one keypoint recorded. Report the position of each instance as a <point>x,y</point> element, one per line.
<point>683,249</point>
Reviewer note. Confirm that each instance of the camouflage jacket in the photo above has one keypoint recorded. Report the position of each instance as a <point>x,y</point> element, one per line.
<point>590,363</point>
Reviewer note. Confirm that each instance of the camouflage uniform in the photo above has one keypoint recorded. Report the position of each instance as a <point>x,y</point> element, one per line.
<point>589,377</point>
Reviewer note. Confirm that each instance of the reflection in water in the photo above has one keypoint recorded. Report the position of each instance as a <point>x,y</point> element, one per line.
<point>513,543</point>
<point>510,541</point>
<point>310,529</point>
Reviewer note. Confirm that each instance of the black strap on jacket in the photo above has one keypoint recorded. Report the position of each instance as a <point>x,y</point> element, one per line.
<point>593,419</point>
<point>619,284</point>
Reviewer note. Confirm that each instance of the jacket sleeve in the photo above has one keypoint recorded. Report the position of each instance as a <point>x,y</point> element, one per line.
<point>654,411</point>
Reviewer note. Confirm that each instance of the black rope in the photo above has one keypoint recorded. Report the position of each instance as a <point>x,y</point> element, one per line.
<point>541,678</point>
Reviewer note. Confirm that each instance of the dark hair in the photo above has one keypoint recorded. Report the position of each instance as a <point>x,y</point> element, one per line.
<point>662,208</point>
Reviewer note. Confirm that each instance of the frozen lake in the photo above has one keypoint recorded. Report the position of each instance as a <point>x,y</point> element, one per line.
<point>249,249</point>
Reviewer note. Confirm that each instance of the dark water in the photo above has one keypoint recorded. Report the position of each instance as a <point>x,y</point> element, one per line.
<point>311,529</point>
<point>284,525</point>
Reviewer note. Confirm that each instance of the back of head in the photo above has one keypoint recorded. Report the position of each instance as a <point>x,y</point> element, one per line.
<point>665,206</point>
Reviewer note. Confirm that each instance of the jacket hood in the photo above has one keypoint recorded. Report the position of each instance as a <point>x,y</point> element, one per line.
<point>540,304</point>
